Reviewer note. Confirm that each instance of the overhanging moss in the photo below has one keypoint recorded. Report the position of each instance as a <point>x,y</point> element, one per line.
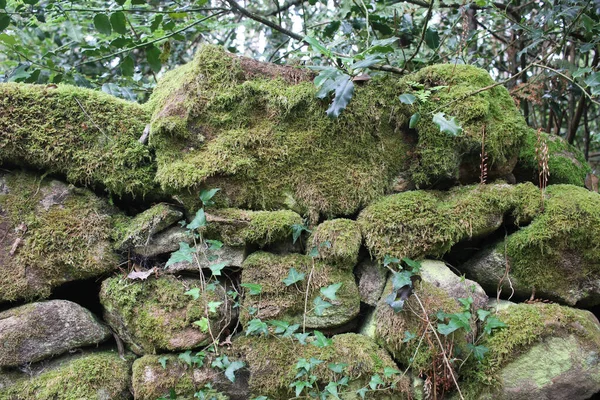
<point>94,376</point>
<point>420,223</point>
<point>67,236</point>
<point>88,136</point>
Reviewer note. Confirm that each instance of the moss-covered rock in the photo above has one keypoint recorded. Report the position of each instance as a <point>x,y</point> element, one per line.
<point>88,136</point>
<point>556,255</point>
<point>566,163</point>
<point>236,227</point>
<point>420,223</point>
<point>272,364</point>
<point>337,241</point>
<point>287,303</point>
<point>100,375</point>
<point>156,315</point>
<point>36,331</point>
<point>150,380</point>
<point>546,351</point>
<point>50,233</point>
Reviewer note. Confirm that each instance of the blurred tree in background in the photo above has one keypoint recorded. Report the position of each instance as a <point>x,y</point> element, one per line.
<point>546,53</point>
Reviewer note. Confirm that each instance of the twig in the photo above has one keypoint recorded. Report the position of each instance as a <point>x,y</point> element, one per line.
<point>306,296</point>
<point>570,80</point>
<point>91,119</point>
<point>425,23</point>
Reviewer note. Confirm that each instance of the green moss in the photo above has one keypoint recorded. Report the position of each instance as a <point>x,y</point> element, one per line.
<point>566,163</point>
<point>236,227</point>
<point>278,301</point>
<point>419,223</point>
<point>150,314</point>
<point>88,136</point>
<point>527,325</point>
<point>391,328</point>
<point>272,365</point>
<point>94,376</point>
<point>338,242</point>
<point>65,242</point>
<point>559,250</point>
<point>138,230</point>
<point>439,154</point>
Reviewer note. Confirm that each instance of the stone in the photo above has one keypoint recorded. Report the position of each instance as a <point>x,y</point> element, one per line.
<point>371,281</point>
<point>336,242</point>
<point>40,330</point>
<point>156,315</point>
<point>164,242</point>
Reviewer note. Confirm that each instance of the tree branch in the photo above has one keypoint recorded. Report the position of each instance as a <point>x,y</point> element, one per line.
<point>286,6</point>
<point>236,7</point>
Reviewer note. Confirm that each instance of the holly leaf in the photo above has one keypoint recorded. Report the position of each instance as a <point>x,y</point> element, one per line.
<point>199,220</point>
<point>118,22</point>
<point>320,306</point>
<point>293,277</point>
<point>232,368</point>
<point>4,21</point>
<point>331,290</point>
<point>407,98</point>
<point>102,24</point>
<point>593,80</point>
<point>344,89</point>
<point>414,120</point>
<point>449,126</point>
<point>127,66</point>
<point>254,288</point>
<point>320,340</point>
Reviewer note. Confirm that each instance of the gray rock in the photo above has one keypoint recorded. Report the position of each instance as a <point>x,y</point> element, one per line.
<point>371,281</point>
<point>164,242</point>
<point>232,256</point>
<point>141,229</point>
<point>36,331</point>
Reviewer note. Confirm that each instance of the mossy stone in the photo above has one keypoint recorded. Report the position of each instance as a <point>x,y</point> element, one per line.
<point>337,241</point>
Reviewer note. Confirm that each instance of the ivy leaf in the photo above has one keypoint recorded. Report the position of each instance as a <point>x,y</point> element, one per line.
<point>280,326</point>
<point>163,361</point>
<point>232,368</point>
<point>199,220</point>
<point>102,24</point>
<point>213,306</point>
<point>302,337</point>
<point>331,290</point>
<point>362,392</point>
<point>478,351</point>
<point>202,323</point>
<point>375,382</point>
<point>217,268</point>
<point>290,330</point>
<point>407,98</point>
<point>414,120</point>
<point>254,288</point>
<point>320,340</point>
<point>331,388</point>
<point>257,327</point>
<point>207,195</point>
<point>482,314</point>
<point>338,368</point>
<point>195,293</point>
<point>388,372</point>
<point>408,336</point>
<point>344,89</point>
<point>449,126</point>
<point>397,305</point>
<point>153,58</point>
<point>387,260</point>
<point>293,277</point>
<point>401,279</point>
<point>183,254</point>
<point>320,306</point>
<point>314,252</point>
<point>493,323</point>
<point>118,22</point>
<point>414,265</point>
<point>186,357</point>
<point>297,230</point>
<point>299,386</point>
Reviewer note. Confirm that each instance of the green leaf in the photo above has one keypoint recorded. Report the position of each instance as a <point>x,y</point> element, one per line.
<point>415,266</point>
<point>314,252</point>
<point>293,277</point>
<point>408,336</point>
<point>127,66</point>
<point>581,72</point>
<point>102,24</point>
<point>217,268</point>
<point>338,368</point>
<point>232,368</point>
<point>260,398</point>
<point>299,386</point>
<point>213,306</point>
<point>302,337</point>
<point>331,290</point>
<point>320,340</point>
<point>280,326</point>
<point>153,58</point>
<point>432,38</point>
<point>8,39</point>
<point>120,2</point>
<point>388,372</point>
<point>214,244</point>
<point>163,361</point>
<point>362,392</point>
<point>375,382</point>
<point>344,89</point>
<point>156,21</point>
<point>592,80</point>
<point>401,279</point>
<point>4,21</point>
<point>194,292</point>
<point>257,327</point>
<point>407,98</point>
<point>457,321</point>
<point>316,45</point>
<point>369,61</point>
<point>202,323</point>
<point>207,195</point>
<point>320,306</point>
<point>493,322</point>
<point>478,351</point>
<point>449,126</point>
<point>199,220</point>
<point>387,260</point>
<point>186,357</point>
<point>331,388</point>
<point>254,288</point>
<point>290,330</point>
<point>2,3</point>
<point>183,254</point>
<point>482,314</point>
<point>331,28</point>
<point>396,304</point>
<point>297,230</point>
<point>118,22</point>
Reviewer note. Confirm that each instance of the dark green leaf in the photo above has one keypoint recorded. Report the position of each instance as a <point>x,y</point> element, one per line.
<point>102,24</point>
<point>199,220</point>
<point>400,279</point>
<point>4,21</point>
<point>591,81</point>
<point>31,2</point>
<point>257,327</point>
<point>321,340</point>
<point>320,305</point>
<point>493,322</point>
<point>449,126</point>
<point>293,277</point>
<point>185,253</point>
<point>156,22</point>
<point>344,89</point>
<point>127,66</point>
<point>2,3</point>
<point>118,22</point>
<point>478,351</point>
<point>232,368</point>
<point>396,304</point>
<point>407,98</point>
<point>432,38</point>
<point>207,195</point>
<point>330,291</point>
<point>331,28</point>
<point>120,2</point>
<point>153,58</point>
